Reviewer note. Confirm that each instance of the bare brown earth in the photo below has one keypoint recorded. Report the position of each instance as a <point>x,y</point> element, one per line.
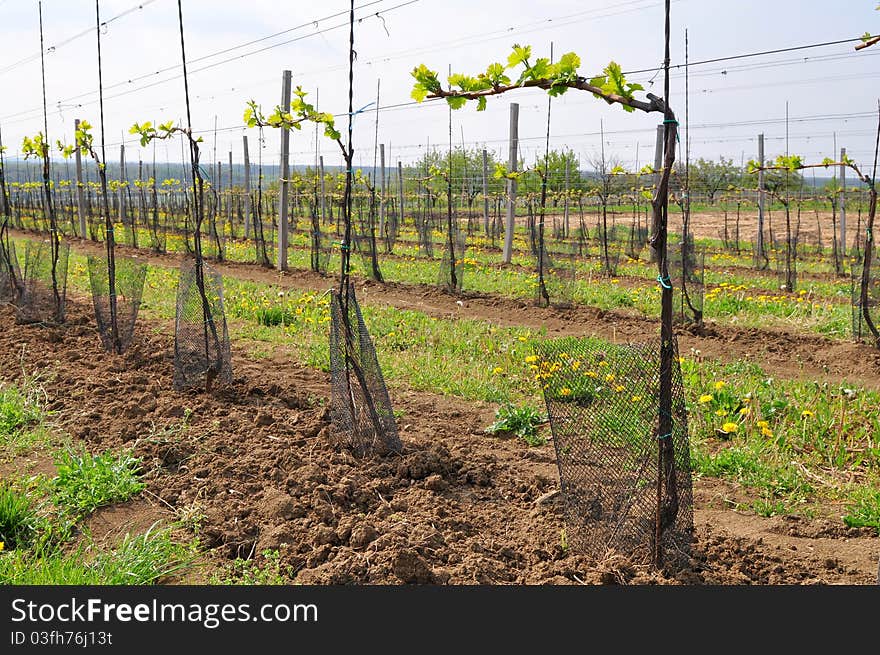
<point>709,223</point>
<point>258,462</point>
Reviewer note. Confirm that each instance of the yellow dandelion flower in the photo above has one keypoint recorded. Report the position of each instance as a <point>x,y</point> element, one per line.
<point>730,427</point>
<point>807,414</point>
<point>609,377</point>
<point>766,432</point>
<point>720,412</point>
<point>575,365</point>
<point>603,363</point>
<point>745,411</point>
<point>720,385</point>
<point>635,399</point>
<point>592,374</point>
<point>497,370</point>
<point>763,424</point>
<point>619,388</point>
<point>706,398</point>
<point>565,391</point>
<point>531,359</point>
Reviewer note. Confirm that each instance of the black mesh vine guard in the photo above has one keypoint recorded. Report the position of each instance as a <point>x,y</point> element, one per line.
<point>202,354</point>
<point>10,276</point>
<point>43,297</point>
<point>360,407</point>
<point>636,240</point>
<point>365,240</point>
<point>458,244</point>
<point>319,245</point>
<point>864,301</point>
<point>602,403</point>
<point>686,274</point>
<point>129,277</point>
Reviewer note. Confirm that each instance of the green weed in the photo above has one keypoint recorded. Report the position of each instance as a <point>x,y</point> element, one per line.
<point>864,510</point>
<point>249,572</point>
<point>86,482</point>
<point>521,421</point>
<point>17,411</point>
<point>17,518</point>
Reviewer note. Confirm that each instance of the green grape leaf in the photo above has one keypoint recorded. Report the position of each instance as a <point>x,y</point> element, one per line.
<point>419,92</point>
<point>568,63</point>
<point>495,74</point>
<point>456,102</point>
<point>426,82</point>
<point>540,70</point>
<point>520,55</point>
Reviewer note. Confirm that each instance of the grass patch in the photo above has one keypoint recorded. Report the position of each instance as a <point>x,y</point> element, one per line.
<point>521,421</point>
<point>86,482</point>
<point>864,509</point>
<point>21,419</point>
<point>17,410</point>
<point>17,519</point>
<point>138,560</point>
<point>781,487</point>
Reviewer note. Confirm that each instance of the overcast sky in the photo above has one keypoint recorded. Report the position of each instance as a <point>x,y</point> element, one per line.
<point>830,89</point>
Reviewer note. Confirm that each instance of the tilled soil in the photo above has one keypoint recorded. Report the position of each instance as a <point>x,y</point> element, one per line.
<point>256,466</point>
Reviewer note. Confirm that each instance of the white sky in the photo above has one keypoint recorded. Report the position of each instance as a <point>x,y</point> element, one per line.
<point>834,87</point>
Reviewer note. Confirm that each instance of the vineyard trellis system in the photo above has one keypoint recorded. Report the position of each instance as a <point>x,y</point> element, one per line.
<point>645,508</point>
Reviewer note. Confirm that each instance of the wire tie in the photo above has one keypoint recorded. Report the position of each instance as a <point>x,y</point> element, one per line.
<point>666,283</point>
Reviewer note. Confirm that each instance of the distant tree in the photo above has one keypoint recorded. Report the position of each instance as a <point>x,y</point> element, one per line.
<point>710,176</point>
<point>553,166</point>
<point>467,171</point>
